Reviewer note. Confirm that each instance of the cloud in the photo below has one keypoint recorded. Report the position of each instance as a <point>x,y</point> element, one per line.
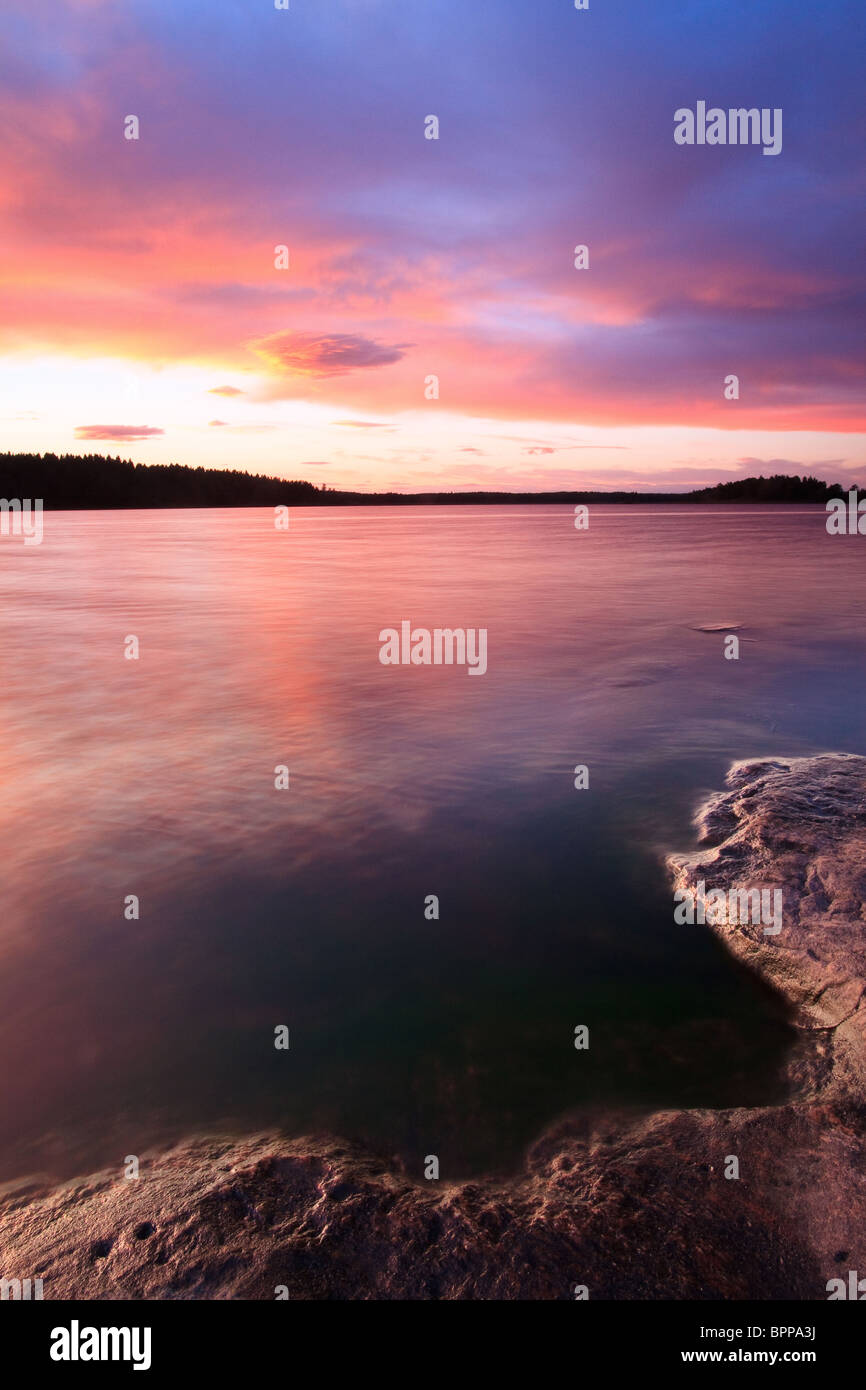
<point>509,477</point>
<point>118,432</point>
<point>216,422</point>
<point>563,448</point>
<point>703,262</point>
<point>325,354</point>
<point>363,424</point>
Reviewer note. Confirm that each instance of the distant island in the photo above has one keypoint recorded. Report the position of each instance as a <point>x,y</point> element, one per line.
<point>96,482</point>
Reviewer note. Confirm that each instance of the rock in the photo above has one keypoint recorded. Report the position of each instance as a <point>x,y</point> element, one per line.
<point>798,824</point>
<point>631,1206</point>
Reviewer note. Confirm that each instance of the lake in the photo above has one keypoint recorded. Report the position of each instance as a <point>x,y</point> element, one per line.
<point>305,906</point>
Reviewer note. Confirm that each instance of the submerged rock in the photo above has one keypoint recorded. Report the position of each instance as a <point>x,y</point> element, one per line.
<point>627,1207</point>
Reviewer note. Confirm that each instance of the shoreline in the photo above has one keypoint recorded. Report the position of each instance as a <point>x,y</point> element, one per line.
<point>625,1207</point>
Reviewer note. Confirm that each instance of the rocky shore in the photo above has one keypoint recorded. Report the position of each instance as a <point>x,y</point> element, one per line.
<point>627,1208</point>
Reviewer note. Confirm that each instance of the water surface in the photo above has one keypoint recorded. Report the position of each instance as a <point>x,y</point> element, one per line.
<point>306,907</point>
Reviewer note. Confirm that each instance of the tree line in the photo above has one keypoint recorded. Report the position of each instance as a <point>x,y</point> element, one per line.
<point>85,482</point>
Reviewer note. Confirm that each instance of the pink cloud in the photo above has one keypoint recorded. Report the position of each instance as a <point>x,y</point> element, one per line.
<point>117,432</point>
<point>242,429</point>
<point>226,391</point>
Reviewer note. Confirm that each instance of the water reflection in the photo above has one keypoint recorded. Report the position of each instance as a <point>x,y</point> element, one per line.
<point>306,907</point>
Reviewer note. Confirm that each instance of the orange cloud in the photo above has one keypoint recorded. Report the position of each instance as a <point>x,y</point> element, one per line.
<point>325,354</point>
<point>363,424</point>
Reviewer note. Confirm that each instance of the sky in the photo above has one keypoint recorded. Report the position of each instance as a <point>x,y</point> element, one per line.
<point>143,312</point>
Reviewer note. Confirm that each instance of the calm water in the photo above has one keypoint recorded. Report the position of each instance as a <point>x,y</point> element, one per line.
<point>306,906</point>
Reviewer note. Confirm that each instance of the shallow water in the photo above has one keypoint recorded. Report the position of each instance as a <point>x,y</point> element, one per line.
<point>305,907</point>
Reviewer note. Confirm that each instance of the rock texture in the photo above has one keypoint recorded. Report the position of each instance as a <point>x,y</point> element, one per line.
<point>800,825</point>
<point>630,1208</point>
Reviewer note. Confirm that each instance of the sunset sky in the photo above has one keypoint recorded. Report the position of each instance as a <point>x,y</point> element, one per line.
<point>142,313</point>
